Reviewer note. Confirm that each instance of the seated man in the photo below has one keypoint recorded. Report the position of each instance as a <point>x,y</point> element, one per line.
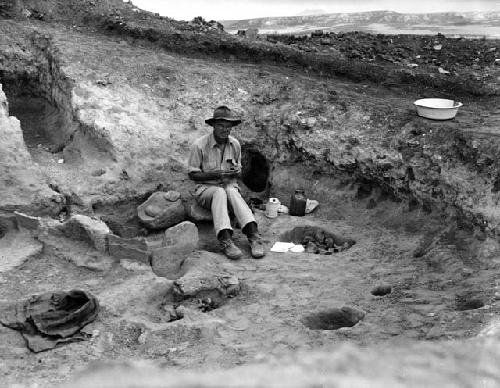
<point>215,165</point>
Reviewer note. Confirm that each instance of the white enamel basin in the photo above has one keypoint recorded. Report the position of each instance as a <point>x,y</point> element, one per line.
<point>437,108</point>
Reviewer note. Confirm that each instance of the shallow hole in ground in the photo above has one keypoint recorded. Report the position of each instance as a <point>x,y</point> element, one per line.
<point>381,290</point>
<point>255,169</point>
<point>121,216</point>
<point>317,240</point>
<point>333,319</point>
<point>468,301</point>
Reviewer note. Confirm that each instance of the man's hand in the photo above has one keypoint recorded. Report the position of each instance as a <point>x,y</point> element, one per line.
<point>233,173</point>
<point>229,176</point>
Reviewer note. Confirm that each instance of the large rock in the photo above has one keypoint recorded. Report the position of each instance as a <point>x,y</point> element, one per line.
<point>162,210</point>
<point>83,228</point>
<point>128,248</point>
<point>185,233</point>
<point>178,242</point>
<point>205,276</point>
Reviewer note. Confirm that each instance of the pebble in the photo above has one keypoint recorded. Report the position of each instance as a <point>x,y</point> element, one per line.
<point>434,332</point>
<point>99,172</point>
<point>142,338</point>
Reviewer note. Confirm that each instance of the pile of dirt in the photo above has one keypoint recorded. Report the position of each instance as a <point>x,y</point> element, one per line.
<point>469,65</point>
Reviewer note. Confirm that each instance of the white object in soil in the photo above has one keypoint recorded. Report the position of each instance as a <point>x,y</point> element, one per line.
<point>272,207</point>
<point>311,204</point>
<point>297,249</point>
<point>283,209</point>
<point>284,247</point>
<point>437,108</point>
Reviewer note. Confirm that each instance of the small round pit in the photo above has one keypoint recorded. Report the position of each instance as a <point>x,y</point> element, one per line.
<point>381,290</point>
<point>333,319</point>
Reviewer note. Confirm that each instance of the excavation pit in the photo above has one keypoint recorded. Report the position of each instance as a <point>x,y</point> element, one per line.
<point>42,123</point>
<point>468,301</point>
<point>333,319</point>
<point>317,240</point>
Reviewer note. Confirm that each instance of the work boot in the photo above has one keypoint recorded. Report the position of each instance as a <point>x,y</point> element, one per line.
<point>230,249</point>
<point>256,246</point>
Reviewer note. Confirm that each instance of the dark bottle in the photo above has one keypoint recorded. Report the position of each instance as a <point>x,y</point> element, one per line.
<point>298,203</point>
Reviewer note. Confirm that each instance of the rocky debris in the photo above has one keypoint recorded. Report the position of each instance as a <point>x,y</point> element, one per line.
<point>178,243</point>
<point>129,248</point>
<point>205,278</point>
<point>317,240</point>
<point>162,210</point>
<point>334,318</point>
<point>202,25</point>
<point>92,231</point>
<point>426,52</point>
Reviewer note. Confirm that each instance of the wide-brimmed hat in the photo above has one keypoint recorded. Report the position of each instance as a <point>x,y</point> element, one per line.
<point>223,113</point>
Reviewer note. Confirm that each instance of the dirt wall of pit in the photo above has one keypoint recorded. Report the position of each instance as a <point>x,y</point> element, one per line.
<point>135,111</point>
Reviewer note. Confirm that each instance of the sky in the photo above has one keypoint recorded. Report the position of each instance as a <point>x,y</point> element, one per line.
<point>248,9</point>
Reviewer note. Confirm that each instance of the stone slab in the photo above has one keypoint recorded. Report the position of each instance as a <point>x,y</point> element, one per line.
<point>83,228</point>
<point>27,222</point>
<point>128,248</point>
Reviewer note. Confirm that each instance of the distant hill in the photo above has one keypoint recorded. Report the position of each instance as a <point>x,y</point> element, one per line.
<point>459,23</point>
<point>309,12</point>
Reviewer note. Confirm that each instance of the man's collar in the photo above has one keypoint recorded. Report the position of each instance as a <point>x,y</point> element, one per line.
<point>213,143</point>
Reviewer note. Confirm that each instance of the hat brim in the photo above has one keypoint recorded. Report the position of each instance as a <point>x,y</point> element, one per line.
<point>212,121</point>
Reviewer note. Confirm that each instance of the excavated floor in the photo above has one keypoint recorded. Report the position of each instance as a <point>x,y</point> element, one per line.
<point>286,303</point>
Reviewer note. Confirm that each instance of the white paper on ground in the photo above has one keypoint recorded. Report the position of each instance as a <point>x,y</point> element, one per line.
<point>297,249</point>
<point>281,247</point>
<point>284,247</point>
